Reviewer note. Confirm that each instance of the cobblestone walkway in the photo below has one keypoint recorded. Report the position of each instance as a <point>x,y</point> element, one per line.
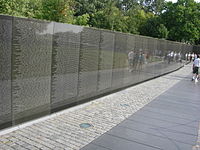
<point>63,131</point>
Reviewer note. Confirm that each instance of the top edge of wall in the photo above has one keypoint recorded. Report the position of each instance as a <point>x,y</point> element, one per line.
<point>23,18</point>
<point>3,16</point>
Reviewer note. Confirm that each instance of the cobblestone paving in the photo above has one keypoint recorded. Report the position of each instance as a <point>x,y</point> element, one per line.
<point>63,132</point>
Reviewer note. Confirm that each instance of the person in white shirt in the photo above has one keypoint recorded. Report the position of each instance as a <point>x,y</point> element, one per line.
<point>186,56</point>
<point>193,56</point>
<point>190,57</point>
<point>196,65</point>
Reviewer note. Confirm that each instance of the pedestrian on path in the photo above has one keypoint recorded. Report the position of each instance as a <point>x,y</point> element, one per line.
<point>196,65</point>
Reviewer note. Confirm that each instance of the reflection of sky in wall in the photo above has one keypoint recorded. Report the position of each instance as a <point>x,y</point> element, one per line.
<point>174,1</point>
<point>47,30</point>
<point>61,27</point>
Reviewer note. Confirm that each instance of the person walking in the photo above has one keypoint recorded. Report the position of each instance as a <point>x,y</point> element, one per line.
<point>196,65</point>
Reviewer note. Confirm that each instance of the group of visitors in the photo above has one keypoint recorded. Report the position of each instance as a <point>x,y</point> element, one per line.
<point>190,56</point>
<point>196,66</point>
<point>136,60</point>
<point>172,56</point>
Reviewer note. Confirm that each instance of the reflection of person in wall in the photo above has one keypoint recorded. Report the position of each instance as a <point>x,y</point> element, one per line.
<point>165,57</point>
<point>186,56</point>
<point>130,60</point>
<point>140,59</point>
<point>145,58</point>
<point>179,57</point>
<point>190,57</point>
<point>193,56</point>
<point>172,58</point>
<point>169,57</point>
<point>176,57</point>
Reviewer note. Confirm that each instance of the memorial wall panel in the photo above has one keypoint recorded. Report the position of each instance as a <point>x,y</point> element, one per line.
<point>5,70</point>
<point>195,49</point>
<point>150,57</point>
<point>31,67</point>
<point>106,53</point>
<point>154,48</point>
<point>170,56</point>
<point>139,56</point>
<point>89,58</point>
<point>145,69</point>
<point>130,43</point>
<point>65,63</point>
<point>150,50</point>
<point>119,60</point>
<point>176,56</point>
<point>131,75</point>
<point>165,56</point>
<point>138,49</point>
<point>181,54</point>
<point>159,57</point>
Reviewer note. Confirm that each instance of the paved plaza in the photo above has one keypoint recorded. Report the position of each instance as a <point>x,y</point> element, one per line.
<point>162,113</point>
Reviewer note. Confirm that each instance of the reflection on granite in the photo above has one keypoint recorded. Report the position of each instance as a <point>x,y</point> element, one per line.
<point>31,65</point>
<point>5,69</point>
<point>106,60</point>
<point>89,57</point>
<point>65,62</point>
<point>48,65</point>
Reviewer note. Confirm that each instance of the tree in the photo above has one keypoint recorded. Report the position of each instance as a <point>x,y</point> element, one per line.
<point>109,18</point>
<point>154,28</point>
<point>99,20</point>
<point>21,8</point>
<point>182,19</point>
<point>89,6</point>
<point>57,10</point>
<point>154,6</point>
<point>126,5</point>
<point>162,31</point>
<point>82,20</point>
<point>53,10</point>
<point>136,17</point>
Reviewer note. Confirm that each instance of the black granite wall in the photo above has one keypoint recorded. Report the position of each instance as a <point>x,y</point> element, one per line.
<point>47,66</point>
<point>31,67</point>
<point>5,70</point>
<point>65,64</point>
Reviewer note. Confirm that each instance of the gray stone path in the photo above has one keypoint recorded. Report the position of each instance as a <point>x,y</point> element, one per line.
<point>169,122</point>
<point>63,131</point>
<point>197,146</point>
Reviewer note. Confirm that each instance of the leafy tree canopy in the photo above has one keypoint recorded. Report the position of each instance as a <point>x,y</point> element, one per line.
<point>182,19</point>
<point>157,18</point>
